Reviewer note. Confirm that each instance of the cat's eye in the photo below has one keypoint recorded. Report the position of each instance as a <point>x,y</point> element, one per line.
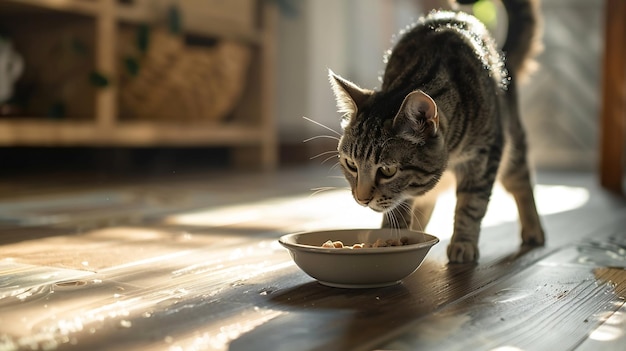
<point>351,165</point>
<point>388,171</point>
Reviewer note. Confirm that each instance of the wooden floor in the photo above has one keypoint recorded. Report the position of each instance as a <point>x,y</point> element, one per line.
<point>192,263</point>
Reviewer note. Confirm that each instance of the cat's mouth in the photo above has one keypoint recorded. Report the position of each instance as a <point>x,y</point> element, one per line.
<point>381,207</point>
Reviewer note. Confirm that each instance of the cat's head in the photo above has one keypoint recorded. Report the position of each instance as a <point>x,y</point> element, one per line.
<point>392,147</point>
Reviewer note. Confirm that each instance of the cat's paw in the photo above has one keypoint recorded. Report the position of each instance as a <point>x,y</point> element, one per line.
<point>462,252</point>
<point>533,237</point>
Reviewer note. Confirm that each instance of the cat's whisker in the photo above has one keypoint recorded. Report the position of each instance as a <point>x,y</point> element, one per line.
<point>393,221</point>
<point>324,187</point>
<point>406,207</point>
<point>334,166</point>
<point>389,216</point>
<point>415,218</point>
<point>334,153</point>
<point>328,158</point>
<point>321,190</point>
<point>397,226</point>
<point>324,153</point>
<point>321,125</point>
<point>320,137</point>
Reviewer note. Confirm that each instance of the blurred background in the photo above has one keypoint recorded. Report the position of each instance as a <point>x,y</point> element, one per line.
<point>166,86</point>
<point>560,103</point>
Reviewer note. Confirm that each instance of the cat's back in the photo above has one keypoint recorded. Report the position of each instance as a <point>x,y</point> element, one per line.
<point>441,41</point>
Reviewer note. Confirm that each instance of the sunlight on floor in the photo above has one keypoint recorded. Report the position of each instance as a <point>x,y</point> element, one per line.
<point>337,209</point>
<point>550,199</point>
<point>331,209</point>
<point>612,327</point>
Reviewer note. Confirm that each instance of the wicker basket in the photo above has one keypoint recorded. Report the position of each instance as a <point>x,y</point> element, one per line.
<point>178,82</point>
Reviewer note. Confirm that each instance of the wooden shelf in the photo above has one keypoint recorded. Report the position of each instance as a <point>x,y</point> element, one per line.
<point>65,133</point>
<point>252,132</point>
<point>220,26</point>
<point>79,7</point>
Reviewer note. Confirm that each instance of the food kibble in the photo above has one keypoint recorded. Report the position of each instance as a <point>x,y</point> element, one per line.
<point>329,244</point>
<point>333,244</point>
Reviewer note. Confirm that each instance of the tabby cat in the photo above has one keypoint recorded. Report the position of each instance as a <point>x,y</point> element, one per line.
<point>448,101</point>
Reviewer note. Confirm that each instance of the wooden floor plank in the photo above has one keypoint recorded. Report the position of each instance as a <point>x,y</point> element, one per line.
<point>610,334</point>
<point>545,307</point>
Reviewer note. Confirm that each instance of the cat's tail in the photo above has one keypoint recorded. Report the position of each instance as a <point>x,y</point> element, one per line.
<point>523,39</point>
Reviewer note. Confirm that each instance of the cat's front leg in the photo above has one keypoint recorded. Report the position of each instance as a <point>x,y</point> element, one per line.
<point>470,209</point>
<point>399,216</point>
<point>472,197</point>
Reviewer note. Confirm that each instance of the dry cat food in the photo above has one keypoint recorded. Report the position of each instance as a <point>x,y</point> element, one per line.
<point>378,243</point>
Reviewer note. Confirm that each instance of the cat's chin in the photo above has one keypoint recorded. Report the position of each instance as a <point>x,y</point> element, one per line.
<point>381,209</point>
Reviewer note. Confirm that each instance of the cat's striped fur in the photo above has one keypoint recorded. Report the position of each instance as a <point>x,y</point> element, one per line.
<point>448,101</point>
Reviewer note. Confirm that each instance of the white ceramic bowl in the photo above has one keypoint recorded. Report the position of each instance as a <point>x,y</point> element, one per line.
<point>358,268</point>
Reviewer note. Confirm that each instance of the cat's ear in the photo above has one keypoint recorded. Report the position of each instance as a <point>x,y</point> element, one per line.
<point>348,95</point>
<point>418,115</point>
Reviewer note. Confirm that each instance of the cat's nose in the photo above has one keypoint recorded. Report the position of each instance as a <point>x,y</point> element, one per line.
<point>363,192</point>
<point>363,201</point>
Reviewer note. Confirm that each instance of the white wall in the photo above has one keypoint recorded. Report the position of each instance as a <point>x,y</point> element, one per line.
<point>292,72</point>
<point>349,37</point>
<point>327,48</point>
<point>309,43</point>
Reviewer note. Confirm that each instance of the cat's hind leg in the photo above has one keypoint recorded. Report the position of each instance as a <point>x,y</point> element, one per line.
<point>516,178</point>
